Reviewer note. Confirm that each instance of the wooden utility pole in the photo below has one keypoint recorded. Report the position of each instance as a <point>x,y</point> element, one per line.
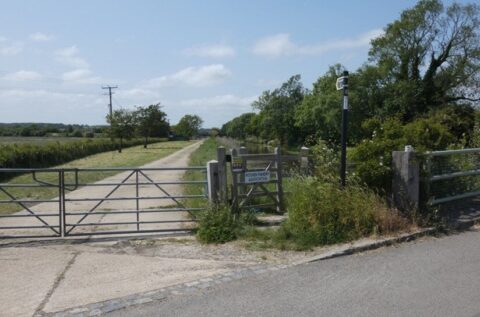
<point>110,93</point>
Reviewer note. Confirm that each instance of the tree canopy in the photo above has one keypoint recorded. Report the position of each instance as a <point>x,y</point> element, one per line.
<point>429,57</point>
<point>122,124</point>
<point>151,122</point>
<point>188,126</point>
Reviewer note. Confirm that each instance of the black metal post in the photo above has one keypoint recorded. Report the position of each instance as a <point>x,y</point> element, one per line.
<point>343,159</point>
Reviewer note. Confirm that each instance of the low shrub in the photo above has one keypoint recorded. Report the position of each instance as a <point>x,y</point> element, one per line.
<point>321,213</point>
<point>218,225</point>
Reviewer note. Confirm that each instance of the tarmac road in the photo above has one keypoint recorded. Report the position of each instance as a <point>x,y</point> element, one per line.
<point>431,277</point>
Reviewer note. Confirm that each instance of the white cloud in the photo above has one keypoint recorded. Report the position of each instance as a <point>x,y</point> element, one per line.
<point>41,37</point>
<point>11,48</point>
<point>81,76</point>
<point>220,102</point>
<point>22,75</point>
<point>281,45</point>
<point>275,45</point>
<point>70,57</point>
<point>200,76</point>
<point>215,51</point>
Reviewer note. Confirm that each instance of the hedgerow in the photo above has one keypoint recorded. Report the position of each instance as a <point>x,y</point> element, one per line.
<point>39,156</point>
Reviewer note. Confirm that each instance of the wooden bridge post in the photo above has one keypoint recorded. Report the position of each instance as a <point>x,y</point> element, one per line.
<point>234,184</point>
<point>222,174</point>
<point>243,188</point>
<point>212,179</point>
<point>279,186</point>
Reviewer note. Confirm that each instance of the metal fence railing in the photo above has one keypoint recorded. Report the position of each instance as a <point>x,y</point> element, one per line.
<point>70,202</point>
<point>452,175</point>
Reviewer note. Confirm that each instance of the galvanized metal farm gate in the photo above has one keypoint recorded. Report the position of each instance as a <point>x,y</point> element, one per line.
<point>451,175</point>
<point>132,201</point>
<point>438,178</point>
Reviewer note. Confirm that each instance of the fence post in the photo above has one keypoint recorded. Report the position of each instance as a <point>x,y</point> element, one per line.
<point>61,202</point>
<point>242,188</point>
<point>279,187</point>
<point>406,179</point>
<point>222,174</point>
<point>212,180</point>
<point>234,183</point>
<point>304,162</point>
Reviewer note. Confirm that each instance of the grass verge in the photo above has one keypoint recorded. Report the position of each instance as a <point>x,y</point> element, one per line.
<point>207,151</point>
<point>321,213</point>
<point>130,157</point>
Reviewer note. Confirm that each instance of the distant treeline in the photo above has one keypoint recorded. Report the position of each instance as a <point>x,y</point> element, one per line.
<point>50,129</point>
<point>55,153</point>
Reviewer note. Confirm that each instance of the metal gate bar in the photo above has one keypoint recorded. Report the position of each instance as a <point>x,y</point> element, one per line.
<point>469,168</point>
<point>65,228</point>
<point>22,202</point>
<point>141,179</point>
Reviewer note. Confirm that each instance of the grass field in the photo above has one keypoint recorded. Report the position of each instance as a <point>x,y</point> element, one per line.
<point>38,140</point>
<point>130,157</point>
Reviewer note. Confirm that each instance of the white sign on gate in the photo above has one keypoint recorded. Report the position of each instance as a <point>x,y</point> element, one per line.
<point>257,177</point>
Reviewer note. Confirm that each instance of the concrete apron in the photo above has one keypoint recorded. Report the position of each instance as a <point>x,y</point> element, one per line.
<point>53,277</point>
<point>48,279</point>
<point>177,159</point>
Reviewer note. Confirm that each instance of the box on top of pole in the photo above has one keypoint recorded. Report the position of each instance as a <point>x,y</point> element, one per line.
<point>342,84</point>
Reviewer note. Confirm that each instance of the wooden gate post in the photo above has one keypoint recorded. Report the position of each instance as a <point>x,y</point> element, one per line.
<point>279,187</point>
<point>212,179</point>
<point>222,174</point>
<point>234,184</point>
<point>243,188</point>
<point>304,161</point>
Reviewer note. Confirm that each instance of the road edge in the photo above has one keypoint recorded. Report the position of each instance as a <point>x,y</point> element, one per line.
<point>104,307</point>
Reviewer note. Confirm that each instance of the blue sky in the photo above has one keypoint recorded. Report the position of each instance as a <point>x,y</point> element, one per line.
<point>211,58</point>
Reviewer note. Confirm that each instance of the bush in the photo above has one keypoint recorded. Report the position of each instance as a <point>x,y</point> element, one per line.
<point>321,213</point>
<point>77,134</point>
<point>326,161</point>
<point>373,157</point>
<point>217,225</point>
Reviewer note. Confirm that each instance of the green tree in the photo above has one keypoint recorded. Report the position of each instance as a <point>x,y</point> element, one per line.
<point>189,125</point>
<point>239,127</point>
<point>122,124</point>
<point>277,110</point>
<point>151,122</point>
<point>430,57</point>
<point>318,115</point>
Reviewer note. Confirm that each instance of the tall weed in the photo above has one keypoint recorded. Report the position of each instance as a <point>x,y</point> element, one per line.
<point>322,213</point>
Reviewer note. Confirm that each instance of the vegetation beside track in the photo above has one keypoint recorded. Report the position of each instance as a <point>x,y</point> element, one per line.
<point>48,154</point>
<point>206,152</point>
